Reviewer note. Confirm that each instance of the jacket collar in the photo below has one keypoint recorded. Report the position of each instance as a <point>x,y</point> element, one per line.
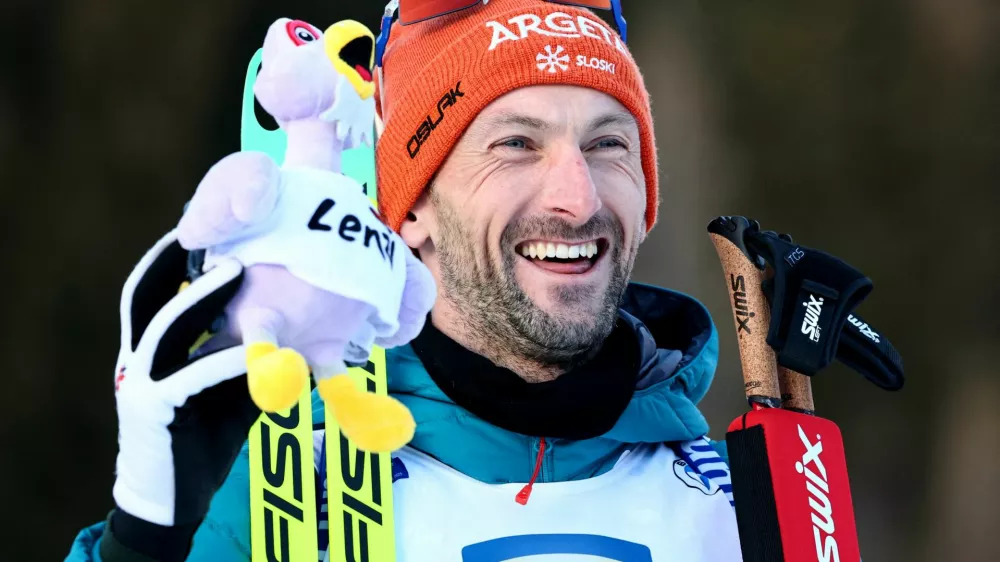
<point>679,353</point>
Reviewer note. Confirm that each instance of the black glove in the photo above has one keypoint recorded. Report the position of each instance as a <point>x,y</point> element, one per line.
<point>798,273</point>
<point>812,294</point>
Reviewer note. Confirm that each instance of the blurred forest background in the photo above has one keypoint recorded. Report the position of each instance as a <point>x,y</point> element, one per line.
<point>869,129</point>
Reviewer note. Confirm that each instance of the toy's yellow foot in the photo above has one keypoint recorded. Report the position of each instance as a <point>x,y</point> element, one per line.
<point>275,376</point>
<point>372,422</point>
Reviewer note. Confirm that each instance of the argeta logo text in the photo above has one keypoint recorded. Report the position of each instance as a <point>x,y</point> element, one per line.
<point>556,24</point>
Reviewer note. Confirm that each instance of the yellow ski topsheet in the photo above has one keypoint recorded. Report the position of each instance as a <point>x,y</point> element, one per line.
<point>283,521</point>
<point>283,524</point>
<point>360,485</point>
<point>282,486</point>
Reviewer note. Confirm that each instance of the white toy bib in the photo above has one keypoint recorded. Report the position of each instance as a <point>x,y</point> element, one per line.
<point>325,231</point>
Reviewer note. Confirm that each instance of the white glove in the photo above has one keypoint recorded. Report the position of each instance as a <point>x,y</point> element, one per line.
<point>181,422</point>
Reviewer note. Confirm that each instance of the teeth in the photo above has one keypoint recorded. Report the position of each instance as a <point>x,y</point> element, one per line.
<point>542,250</point>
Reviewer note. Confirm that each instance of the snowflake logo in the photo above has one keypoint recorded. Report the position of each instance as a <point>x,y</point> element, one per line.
<point>552,59</point>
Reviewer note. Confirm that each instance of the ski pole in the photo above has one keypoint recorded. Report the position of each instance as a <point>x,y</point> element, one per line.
<point>789,473</point>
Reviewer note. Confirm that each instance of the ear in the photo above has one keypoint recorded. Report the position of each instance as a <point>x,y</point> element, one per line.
<point>418,224</point>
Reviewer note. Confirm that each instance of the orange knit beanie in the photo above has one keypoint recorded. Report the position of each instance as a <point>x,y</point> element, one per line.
<point>439,74</point>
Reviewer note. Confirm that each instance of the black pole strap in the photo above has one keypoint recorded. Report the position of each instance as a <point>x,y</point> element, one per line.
<point>813,296</point>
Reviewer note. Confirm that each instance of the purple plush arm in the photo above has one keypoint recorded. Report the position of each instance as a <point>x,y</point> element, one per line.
<point>237,192</point>
<point>418,298</point>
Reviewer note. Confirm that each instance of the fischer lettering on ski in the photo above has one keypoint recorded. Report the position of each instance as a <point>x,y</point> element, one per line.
<point>363,531</point>
<point>284,503</point>
<point>819,501</point>
<point>427,126</point>
<point>368,507</point>
<point>741,305</point>
<point>810,323</point>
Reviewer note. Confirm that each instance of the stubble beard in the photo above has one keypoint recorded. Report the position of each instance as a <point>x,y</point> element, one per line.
<point>499,320</point>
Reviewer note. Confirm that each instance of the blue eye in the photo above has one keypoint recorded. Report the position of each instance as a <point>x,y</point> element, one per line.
<point>610,143</point>
<point>515,143</point>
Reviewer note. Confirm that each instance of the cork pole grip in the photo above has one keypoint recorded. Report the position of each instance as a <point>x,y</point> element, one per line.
<point>752,317</point>
<point>796,388</point>
<point>796,391</point>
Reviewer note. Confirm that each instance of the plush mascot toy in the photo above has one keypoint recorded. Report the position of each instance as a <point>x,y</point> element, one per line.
<point>325,278</point>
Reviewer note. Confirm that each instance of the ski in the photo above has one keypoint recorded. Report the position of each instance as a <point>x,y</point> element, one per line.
<point>283,519</point>
<point>283,514</point>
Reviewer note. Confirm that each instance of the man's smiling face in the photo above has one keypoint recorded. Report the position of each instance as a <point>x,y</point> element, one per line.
<point>532,224</point>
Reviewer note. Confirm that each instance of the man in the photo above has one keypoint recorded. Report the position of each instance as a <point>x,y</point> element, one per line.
<point>555,402</point>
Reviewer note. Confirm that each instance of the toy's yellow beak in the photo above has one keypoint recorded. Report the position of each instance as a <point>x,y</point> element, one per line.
<point>351,48</point>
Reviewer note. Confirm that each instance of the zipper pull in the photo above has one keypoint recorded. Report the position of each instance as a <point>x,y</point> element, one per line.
<point>522,496</point>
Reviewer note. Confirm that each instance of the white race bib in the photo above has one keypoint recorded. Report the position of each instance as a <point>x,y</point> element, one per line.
<point>649,507</point>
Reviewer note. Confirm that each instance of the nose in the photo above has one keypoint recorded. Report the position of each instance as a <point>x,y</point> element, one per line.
<point>350,46</point>
<point>569,191</point>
